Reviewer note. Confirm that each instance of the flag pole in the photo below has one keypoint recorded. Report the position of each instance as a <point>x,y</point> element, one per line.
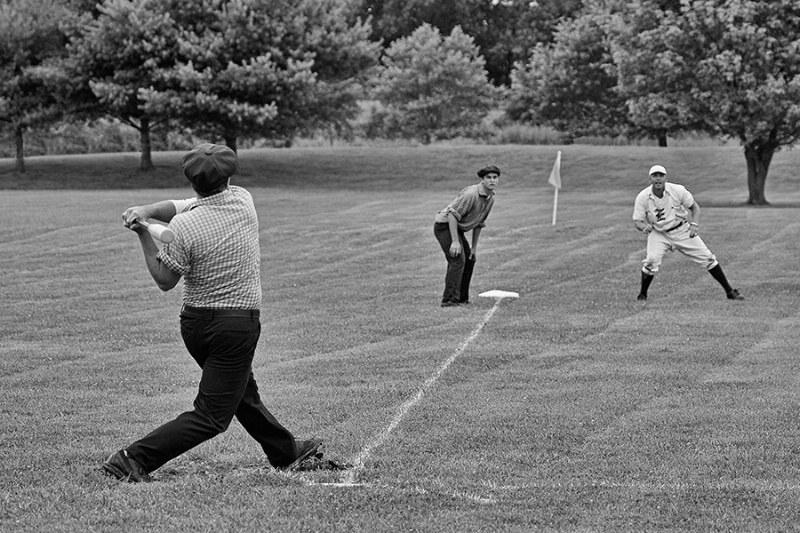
<point>555,205</point>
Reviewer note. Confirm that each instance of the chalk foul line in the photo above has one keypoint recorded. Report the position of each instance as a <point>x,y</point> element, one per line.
<point>380,438</point>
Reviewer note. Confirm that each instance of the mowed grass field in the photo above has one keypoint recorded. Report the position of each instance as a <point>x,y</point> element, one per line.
<point>572,408</point>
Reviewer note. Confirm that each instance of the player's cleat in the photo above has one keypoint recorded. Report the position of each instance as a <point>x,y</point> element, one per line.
<point>642,297</point>
<point>319,463</point>
<point>306,449</point>
<point>450,304</point>
<point>125,468</point>
<point>733,294</point>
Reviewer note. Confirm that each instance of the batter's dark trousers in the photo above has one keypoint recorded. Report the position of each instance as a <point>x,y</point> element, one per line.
<point>459,269</point>
<point>224,348</point>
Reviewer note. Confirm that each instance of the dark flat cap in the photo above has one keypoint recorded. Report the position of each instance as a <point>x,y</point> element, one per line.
<point>207,166</point>
<point>488,169</point>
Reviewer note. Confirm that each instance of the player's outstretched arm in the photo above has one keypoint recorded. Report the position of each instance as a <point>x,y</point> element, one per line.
<point>455,241</point>
<point>694,220</point>
<point>476,233</point>
<point>163,211</point>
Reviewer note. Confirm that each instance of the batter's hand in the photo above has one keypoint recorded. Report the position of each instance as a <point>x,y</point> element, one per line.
<point>455,248</point>
<point>131,216</point>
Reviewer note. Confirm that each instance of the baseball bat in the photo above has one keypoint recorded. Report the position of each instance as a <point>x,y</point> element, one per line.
<point>162,233</point>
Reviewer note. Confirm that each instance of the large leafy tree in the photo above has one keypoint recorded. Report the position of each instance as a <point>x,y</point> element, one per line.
<point>571,84</point>
<point>224,68</point>
<point>32,41</point>
<point>652,80</point>
<point>120,54</point>
<point>505,31</point>
<point>265,68</point>
<point>733,65</point>
<point>433,86</point>
<point>344,57</point>
<point>234,65</point>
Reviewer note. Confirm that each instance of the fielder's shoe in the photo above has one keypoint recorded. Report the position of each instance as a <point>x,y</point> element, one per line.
<point>733,294</point>
<point>642,297</point>
<point>306,449</point>
<point>450,304</point>
<point>125,468</point>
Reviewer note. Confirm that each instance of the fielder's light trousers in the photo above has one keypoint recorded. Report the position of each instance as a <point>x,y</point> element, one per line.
<point>658,244</point>
<point>224,348</point>
<point>459,269</point>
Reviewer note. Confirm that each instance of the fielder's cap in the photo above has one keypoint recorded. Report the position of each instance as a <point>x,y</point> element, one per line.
<point>657,169</point>
<point>207,166</point>
<point>488,169</point>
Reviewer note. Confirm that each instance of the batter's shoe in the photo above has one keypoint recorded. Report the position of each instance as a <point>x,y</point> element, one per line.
<point>642,297</point>
<point>125,468</point>
<point>306,449</point>
<point>733,294</point>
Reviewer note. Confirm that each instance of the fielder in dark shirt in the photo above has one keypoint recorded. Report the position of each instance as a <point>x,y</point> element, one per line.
<point>467,212</point>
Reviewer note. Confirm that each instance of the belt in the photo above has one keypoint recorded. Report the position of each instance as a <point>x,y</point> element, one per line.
<point>676,226</point>
<point>220,313</point>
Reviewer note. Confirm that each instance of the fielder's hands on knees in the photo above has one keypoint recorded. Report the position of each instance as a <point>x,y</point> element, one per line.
<point>647,228</point>
<point>455,249</point>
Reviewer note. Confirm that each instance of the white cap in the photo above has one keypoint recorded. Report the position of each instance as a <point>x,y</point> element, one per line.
<point>657,169</point>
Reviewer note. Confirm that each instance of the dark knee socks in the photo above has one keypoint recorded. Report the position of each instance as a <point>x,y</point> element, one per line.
<point>647,279</point>
<point>716,272</point>
<point>719,275</point>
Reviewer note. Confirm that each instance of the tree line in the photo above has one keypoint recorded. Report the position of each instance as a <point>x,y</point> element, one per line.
<point>426,69</point>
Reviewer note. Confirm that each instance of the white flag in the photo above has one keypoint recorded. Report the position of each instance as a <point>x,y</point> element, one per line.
<point>555,174</point>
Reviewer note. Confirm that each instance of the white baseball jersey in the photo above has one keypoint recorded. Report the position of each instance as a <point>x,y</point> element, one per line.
<point>668,216</point>
<point>663,213</point>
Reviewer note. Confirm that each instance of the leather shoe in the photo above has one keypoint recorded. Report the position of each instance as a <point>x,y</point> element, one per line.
<point>734,295</point>
<point>305,449</point>
<point>125,468</point>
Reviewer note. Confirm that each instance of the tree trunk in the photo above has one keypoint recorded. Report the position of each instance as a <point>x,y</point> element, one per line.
<point>662,139</point>
<point>18,140</point>
<point>147,150</point>
<point>758,161</point>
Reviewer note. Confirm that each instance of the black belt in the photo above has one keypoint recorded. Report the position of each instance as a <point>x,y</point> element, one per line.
<point>221,313</point>
<point>676,226</point>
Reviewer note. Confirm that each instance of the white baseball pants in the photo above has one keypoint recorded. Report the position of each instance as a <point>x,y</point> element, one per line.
<point>658,244</point>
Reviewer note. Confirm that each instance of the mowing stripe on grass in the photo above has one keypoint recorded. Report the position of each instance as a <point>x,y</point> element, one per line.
<point>358,461</point>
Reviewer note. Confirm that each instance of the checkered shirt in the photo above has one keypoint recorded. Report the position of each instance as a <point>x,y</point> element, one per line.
<point>216,250</point>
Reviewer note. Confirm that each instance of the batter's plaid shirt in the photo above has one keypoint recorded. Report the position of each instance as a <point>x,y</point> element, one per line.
<point>216,250</point>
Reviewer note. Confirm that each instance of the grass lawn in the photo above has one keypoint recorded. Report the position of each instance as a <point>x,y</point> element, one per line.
<point>572,408</point>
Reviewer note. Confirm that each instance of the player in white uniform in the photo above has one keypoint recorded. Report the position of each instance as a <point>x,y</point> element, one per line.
<point>669,216</point>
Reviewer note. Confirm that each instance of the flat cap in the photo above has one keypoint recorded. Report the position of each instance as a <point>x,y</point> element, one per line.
<point>207,166</point>
<point>488,169</point>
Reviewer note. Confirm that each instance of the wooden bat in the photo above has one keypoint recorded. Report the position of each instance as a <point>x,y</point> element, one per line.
<point>160,232</point>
